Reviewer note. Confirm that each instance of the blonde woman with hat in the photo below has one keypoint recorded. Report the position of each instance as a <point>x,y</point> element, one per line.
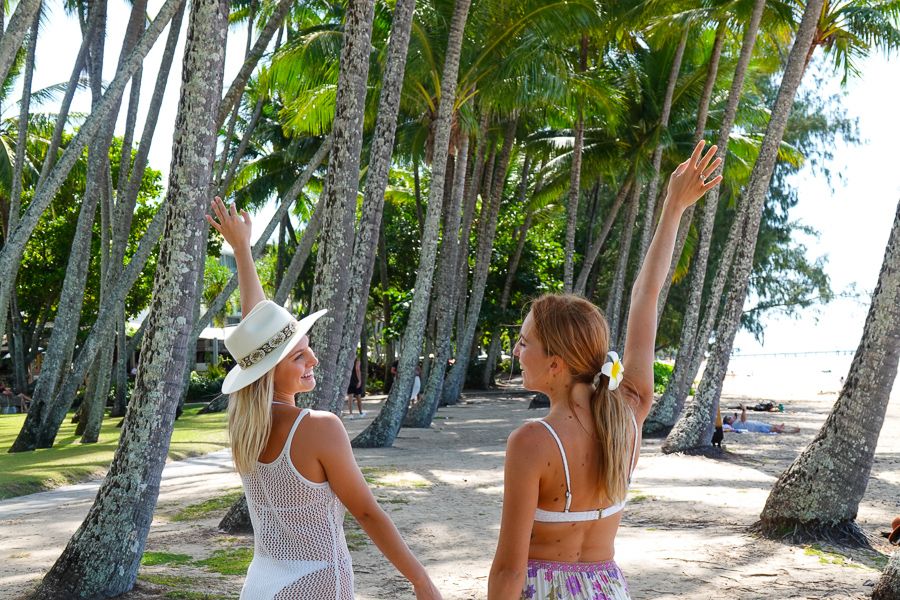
<point>296,465</point>
<point>567,475</point>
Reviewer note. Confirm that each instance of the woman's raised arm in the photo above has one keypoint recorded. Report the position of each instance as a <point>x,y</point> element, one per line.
<point>687,185</point>
<point>236,229</point>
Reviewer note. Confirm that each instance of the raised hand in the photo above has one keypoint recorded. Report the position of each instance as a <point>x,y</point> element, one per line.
<point>235,227</point>
<point>689,180</point>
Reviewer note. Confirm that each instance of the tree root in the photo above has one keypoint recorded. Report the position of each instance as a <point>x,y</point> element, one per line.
<point>847,534</point>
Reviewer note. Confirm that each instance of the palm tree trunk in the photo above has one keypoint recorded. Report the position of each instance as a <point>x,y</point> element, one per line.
<point>421,413</point>
<point>693,343</point>
<point>121,365</point>
<point>487,231</point>
<point>888,586</point>
<point>653,186</point>
<point>365,247</point>
<point>575,180</point>
<point>511,269</point>
<point>22,128</point>
<point>617,293</point>
<point>389,352</point>
<point>103,556</point>
<point>694,429</point>
<point>818,496</point>
<point>15,32</point>
<point>594,251</point>
<point>684,226</point>
<point>332,280</point>
<point>384,428</point>
<point>11,252</point>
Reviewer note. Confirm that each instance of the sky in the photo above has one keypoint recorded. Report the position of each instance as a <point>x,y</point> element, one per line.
<point>853,219</point>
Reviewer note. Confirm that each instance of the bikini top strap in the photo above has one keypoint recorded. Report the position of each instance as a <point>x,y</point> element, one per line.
<point>634,450</point>
<point>564,460</point>
<point>290,436</point>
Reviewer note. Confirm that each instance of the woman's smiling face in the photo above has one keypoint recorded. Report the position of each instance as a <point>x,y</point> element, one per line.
<point>294,374</point>
<point>533,358</point>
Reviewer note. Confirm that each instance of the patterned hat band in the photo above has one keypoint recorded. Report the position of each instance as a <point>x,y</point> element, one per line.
<point>270,346</point>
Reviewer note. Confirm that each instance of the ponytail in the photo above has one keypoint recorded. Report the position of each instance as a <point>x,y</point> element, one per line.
<point>610,412</point>
<point>250,422</point>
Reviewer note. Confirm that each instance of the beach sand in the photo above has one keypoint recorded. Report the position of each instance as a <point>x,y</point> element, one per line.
<point>683,535</point>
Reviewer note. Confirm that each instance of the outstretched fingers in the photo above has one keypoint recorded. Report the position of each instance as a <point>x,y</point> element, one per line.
<point>704,162</point>
<point>698,151</point>
<point>712,184</point>
<point>711,169</point>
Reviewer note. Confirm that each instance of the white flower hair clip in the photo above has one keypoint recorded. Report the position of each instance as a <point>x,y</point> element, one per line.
<point>613,369</point>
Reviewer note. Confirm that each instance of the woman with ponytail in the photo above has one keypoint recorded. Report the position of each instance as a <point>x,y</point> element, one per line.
<point>296,466</point>
<point>567,475</point>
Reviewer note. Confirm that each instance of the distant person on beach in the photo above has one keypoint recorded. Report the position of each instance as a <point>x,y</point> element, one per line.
<point>734,423</point>
<point>296,466</point>
<point>567,475</point>
<point>355,389</point>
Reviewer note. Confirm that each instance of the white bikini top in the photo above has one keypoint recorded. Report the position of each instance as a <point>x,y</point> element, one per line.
<point>566,516</point>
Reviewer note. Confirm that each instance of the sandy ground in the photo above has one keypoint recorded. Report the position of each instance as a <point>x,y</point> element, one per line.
<point>684,534</point>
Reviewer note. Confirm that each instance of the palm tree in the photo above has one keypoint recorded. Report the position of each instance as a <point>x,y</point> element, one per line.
<point>888,587</point>
<point>575,181</point>
<point>332,279</point>
<point>103,556</point>
<point>818,495</point>
<point>383,430</point>
<point>12,38</point>
<point>695,426</point>
<point>666,410</point>
<point>846,31</point>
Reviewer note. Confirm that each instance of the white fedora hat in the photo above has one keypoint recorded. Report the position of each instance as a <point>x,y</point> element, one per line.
<point>259,342</point>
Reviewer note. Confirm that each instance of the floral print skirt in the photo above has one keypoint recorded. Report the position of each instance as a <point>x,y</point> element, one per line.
<point>547,580</point>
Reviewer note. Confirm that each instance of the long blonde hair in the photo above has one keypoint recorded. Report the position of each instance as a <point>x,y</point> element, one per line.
<point>250,421</point>
<point>570,327</point>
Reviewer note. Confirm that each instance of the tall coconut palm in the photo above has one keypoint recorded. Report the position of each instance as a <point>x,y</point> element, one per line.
<point>383,430</point>
<point>103,556</point>
<point>666,410</point>
<point>575,181</point>
<point>15,33</point>
<point>818,496</point>
<point>617,294</point>
<point>332,279</point>
<point>694,429</point>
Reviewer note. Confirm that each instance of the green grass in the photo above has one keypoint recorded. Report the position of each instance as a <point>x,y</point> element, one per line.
<point>70,461</point>
<point>831,558</point>
<point>201,510</point>
<point>381,477</point>
<point>353,533</point>
<point>167,580</point>
<point>165,558</point>
<point>231,561</point>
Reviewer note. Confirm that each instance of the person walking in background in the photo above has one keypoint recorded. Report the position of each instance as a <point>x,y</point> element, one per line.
<point>296,466</point>
<point>567,476</point>
<point>355,389</point>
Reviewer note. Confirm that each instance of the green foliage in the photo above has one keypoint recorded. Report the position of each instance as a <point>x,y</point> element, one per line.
<point>202,510</point>
<point>662,372</point>
<point>203,387</point>
<point>229,561</point>
<point>165,558</point>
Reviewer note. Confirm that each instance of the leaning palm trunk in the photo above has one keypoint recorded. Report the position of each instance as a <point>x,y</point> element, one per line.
<point>597,244</point>
<point>666,410</point>
<point>694,429</point>
<point>332,280</point>
<point>362,263</point>
<point>15,32</point>
<point>818,496</point>
<point>575,180</point>
<point>11,253</point>
<point>888,587</point>
<point>103,556</point>
<point>421,413</point>
<point>486,232</point>
<point>653,186</point>
<point>383,430</point>
<point>684,226</point>
<point>617,293</point>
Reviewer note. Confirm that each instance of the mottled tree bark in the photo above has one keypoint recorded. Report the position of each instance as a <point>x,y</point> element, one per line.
<point>692,343</point>
<point>818,496</point>
<point>575,180</point>
<point>237,519</point>
<point>888,586</point>
<point>15,32</point>
<point>597,244</point>
<point>332,279</point>
<point>694,428</point>
<point>103,556</point>
<point>617,293</point>
<point>384,428</point>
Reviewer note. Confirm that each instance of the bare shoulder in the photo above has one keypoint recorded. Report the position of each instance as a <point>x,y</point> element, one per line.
<point>528,441</point>
<point>325,423</point>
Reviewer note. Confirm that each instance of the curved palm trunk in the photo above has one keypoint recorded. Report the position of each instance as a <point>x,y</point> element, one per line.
<point>383,430</point>
<point>14,34</point>
<point>362,263</point>
<point>888,586</point>
<point>487,231</point>
<point>617,294</point>
<point>421,413</point>
<point>693,343</point>
<point>702,115</point>
<point>653,186</point>
<point>694,429</point>
<point>818,495</point>
<point>332,279</point>
<point>597,244</point>
<point>103,556</point>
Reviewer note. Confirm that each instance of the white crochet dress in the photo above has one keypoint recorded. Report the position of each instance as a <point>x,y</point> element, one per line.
<point>300,552</point>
